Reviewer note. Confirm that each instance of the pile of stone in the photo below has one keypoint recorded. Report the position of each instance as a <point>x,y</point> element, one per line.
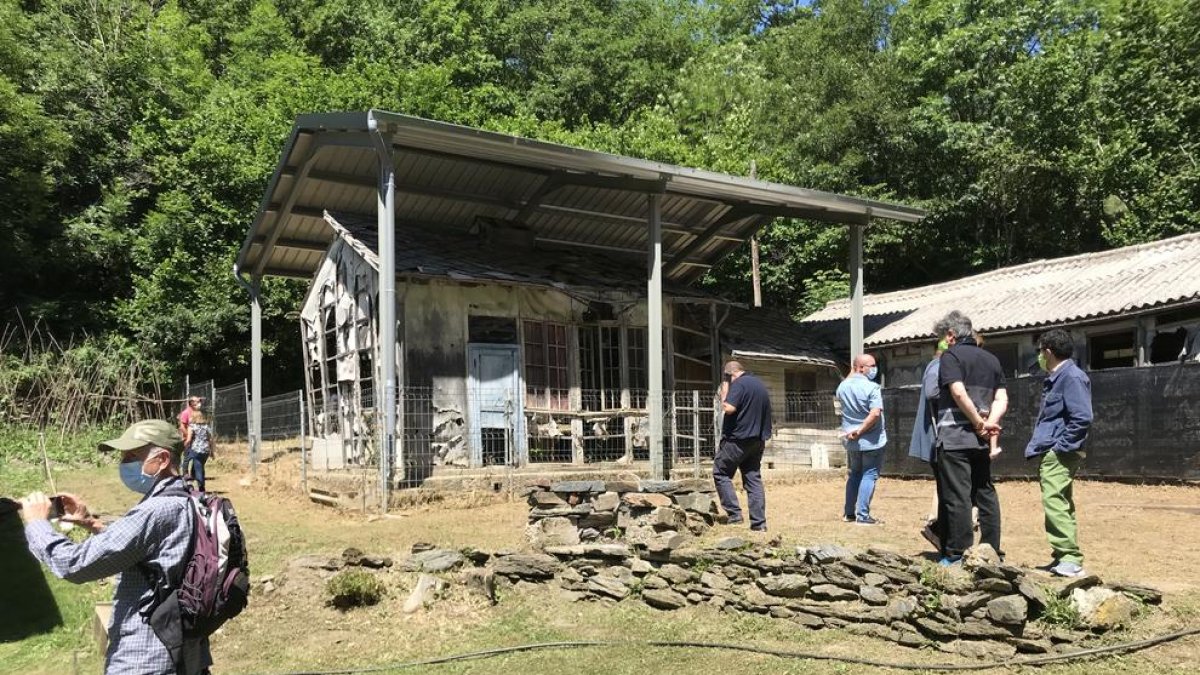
<point>983,608</point>
<point>651,515</point>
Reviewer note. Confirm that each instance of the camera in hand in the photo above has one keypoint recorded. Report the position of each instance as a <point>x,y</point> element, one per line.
<point>56,507</point>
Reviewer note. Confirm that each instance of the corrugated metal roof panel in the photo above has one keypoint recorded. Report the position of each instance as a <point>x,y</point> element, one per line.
<point>1045,292</point>
<point>451,175</point>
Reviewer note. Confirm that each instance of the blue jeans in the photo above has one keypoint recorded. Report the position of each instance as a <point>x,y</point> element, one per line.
<point>864,468</point>
<point>744,456</point>
<point>195,461</point>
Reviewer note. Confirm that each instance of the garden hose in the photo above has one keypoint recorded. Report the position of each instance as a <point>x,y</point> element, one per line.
<point>781,653</point>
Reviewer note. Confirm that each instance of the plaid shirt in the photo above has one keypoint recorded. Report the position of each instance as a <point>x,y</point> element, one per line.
<point>154,531</point>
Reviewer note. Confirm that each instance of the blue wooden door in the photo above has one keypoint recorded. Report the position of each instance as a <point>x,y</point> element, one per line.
<point>495,405</point>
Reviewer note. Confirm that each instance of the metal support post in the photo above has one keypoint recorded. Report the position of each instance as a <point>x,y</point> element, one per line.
<point>255,372</point>
<point>385,210</point>
<point>654,332</point>
<point>856,291</point>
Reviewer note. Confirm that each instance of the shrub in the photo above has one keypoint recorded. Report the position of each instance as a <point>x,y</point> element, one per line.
<point>354,588</point>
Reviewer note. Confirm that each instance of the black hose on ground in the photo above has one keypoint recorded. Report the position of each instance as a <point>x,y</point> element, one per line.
<point>781,653</point>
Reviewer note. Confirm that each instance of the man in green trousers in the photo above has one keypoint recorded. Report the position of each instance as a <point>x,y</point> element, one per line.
<point>1058,438</point>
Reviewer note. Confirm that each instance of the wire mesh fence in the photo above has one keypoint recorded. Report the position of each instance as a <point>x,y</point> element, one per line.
<point>231,412</point>
<point>501,428</point>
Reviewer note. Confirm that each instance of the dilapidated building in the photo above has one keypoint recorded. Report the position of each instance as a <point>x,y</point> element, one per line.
<point>1131,306</point>
<point>478,300</point>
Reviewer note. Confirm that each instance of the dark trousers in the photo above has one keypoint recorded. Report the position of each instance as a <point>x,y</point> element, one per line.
<point>744,456</point>
<point>964,478</point>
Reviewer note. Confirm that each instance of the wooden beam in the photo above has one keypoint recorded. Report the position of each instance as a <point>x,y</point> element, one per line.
<point>286,273</point>
<point>605,247</point>
<point>639,221</point>
<point>728,218</point>
<point>302,211</point>
<point>297,244</point>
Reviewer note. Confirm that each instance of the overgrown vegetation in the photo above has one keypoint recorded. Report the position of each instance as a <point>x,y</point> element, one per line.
<point>138,137</point>
<point>354,588</point>
<point>1060,611</point>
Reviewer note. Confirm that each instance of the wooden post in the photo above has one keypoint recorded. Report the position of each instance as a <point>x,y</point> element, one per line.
<point>754,276</point>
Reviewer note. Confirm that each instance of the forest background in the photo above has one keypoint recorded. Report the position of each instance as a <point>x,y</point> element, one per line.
<point>137,137</point>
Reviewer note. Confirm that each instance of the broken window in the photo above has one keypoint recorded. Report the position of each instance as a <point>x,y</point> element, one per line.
<point>496,330</point>
<point>1006,353</point>
<point>1114,350</point>
<point>600,367</point>
<point>546,365</point>
<point>801,398</point>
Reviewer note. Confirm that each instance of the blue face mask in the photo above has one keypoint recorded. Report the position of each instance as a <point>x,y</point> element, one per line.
<point>872,372</point>
<point>134,479</point>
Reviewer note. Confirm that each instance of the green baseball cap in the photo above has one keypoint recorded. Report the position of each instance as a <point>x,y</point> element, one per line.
<point>147,432</point>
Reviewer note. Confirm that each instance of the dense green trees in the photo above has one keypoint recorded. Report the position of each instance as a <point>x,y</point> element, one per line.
<point>136,137</point>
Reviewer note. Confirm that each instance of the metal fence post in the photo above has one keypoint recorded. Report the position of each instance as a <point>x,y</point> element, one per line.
<point>249,427</point>
<point>303,445</point>
<point>696,433</point>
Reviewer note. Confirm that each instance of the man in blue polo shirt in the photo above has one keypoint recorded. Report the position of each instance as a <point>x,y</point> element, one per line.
<point>1062,428</point>
<point>864,438</point>
<point>744,432</point>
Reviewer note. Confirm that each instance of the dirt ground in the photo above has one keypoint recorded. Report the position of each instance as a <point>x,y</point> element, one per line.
<point>1134,533</point>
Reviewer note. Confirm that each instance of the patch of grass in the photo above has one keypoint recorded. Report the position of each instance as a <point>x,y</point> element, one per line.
<point>702,565</point>
<point>934,577</point>
<point>68,646</point>
<point>354,588</point>
<point>1060,612</point>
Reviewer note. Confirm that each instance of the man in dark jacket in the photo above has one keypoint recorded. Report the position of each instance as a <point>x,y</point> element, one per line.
<point>744,431</point>
<point>1062,427</point>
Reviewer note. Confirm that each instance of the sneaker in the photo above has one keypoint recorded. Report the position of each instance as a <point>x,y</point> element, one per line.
<point>759,529</point>
<point>931,536</point>
<point>1067,568</point>
<point>847,519</point>
<point>734,521</point>
<point>950,561</point>
<point>868,521</point>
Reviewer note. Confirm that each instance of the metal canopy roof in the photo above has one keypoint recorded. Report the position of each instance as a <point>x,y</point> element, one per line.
<point>450,176</point>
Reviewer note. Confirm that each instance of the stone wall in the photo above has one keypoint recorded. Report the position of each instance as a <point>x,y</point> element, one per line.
<point>982,608</point>
<point>652,516</point>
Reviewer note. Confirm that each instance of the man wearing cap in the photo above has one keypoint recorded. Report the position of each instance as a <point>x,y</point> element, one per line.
<point>154,533</point>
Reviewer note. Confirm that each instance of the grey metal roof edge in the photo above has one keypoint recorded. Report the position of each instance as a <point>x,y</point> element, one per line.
<point>752,190</point>
<point>268,191</point>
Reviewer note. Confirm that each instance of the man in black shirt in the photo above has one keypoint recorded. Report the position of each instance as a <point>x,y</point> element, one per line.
<point>971,402</point>
<point>747,425</point>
